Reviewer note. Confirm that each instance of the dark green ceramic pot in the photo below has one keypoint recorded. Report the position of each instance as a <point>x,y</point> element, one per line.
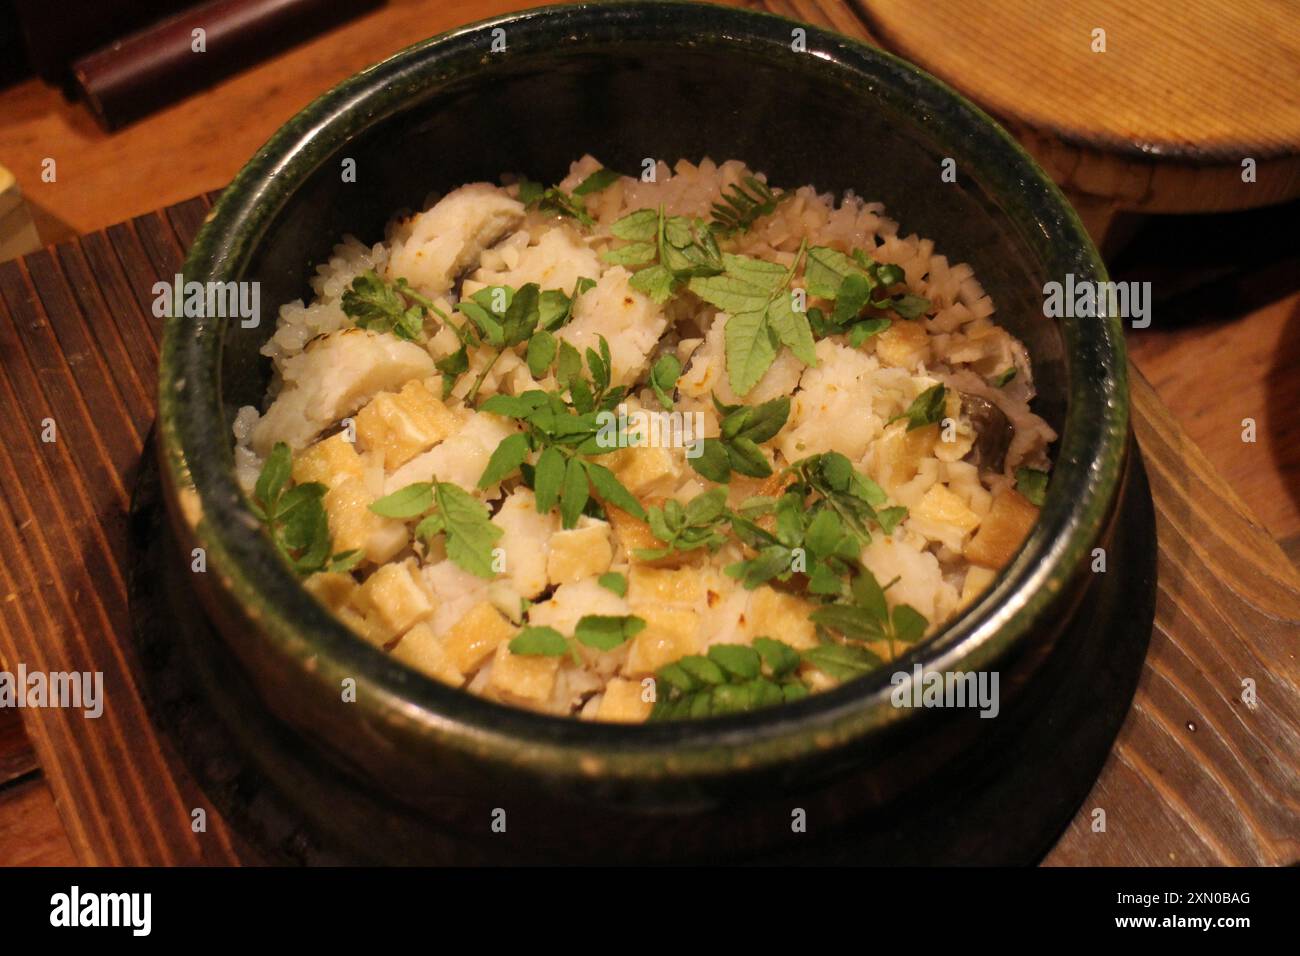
<point>625,82</point>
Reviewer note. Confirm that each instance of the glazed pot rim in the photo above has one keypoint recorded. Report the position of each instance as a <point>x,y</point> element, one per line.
<point>198,464</point>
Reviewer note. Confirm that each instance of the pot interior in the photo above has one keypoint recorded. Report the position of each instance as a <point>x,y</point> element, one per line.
<point>793,118</point>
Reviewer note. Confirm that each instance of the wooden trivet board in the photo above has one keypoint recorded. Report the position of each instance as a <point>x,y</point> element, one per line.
<point>1196,775</point>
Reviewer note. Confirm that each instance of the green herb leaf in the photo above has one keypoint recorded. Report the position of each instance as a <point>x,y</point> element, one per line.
<point>656,282</point>
<point>927,408</point>
<point>275,474</point>
<point>742,428</point>
<point>909,624</point>
<point>505,460</point>
<point>613,491</point>
<point>373,303</point>
<point>598,181</point>
<point>452,368</point>
<point>766,420</point>
<point>737,660</point>
<point>870,596</point>
<point>541,353</point>
<point>853,622</point>
<point>772,561</point>
<point>1032,483</point>
<point>841,661</point>
<point>606,632</point>
<point>541,641</point>
<point>568,367</point>
<point>859,332</point>
<point>300,516</point>
<point>639,226</point>
<point>743,204</point>
<point>713,462</point>
<point>748,290</point>
<point>554,199</point>
<point>613,581</point>
<point>792,328</point>
<point>345,561</point>
<point>554,308</point>
<point>853,297</point>
<point>826,271</point>
<point>548,476</point>
<point>294,515</point>
<point>573,493</point>
<point>469,531</point>
<point>778,657</point>
<point>702,669</point>
<point>632,254</point>
<point>890,517</point>
<point>909,306</point>
<point>663,379</point>
<point>406,502</point>
<point>429,527</point>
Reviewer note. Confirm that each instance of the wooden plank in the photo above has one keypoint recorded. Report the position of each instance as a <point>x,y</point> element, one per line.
<point>1199,776</point>
<point>70,497</point>
<point>1228,607</point>
<point>1221,793</point>
<point>17,758</point>
<point>30,832</point>
<point>1250,370</point>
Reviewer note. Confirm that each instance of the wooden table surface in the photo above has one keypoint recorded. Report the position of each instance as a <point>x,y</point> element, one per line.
<point>1210,373</point>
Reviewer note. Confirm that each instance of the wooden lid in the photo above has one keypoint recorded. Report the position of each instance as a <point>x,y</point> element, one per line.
<point>1191,79</point>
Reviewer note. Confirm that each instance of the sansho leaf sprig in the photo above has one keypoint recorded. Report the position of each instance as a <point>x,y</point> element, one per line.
<point>374,303</point>
<point>603,632</point>
<point>567,435</point>
<point>451,511</point>
<point>673,249</point>
<point>742,429</point>
<point>554,199</point>
<point>295,518</point>
<point>761,315</point>
<point>858,285</point>
<point>729,679</point>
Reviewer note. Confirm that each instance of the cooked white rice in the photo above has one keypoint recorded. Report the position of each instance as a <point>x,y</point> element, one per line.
<point>457,626</point>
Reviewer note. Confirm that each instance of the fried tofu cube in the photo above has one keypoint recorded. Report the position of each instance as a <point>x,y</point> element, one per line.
<point>634,534</point>
<point>1002,531</point>
<point>401,425</point>
<point>579,553</point>
<point>422,650</point>
<point>670,634</point>
<point>369,628</point>
<point>943,516</point>
<point>395,597</point>
<point>742,487</point>
<point>644,470</point>
<point>476,636</point>
<point>522,678</point>
<point>905,344</point>
<point>329,462</point>
<point>977,580</point>
<point>623,703</point>
<point>774,613</point>
<point>899,453</point>
<point>331,588</point>
<point>354,526</point>
<point>659,586</point>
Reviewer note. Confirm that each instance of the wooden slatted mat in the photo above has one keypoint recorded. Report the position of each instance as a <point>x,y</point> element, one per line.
<point>79,346</point>
<point>1197,776</point>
